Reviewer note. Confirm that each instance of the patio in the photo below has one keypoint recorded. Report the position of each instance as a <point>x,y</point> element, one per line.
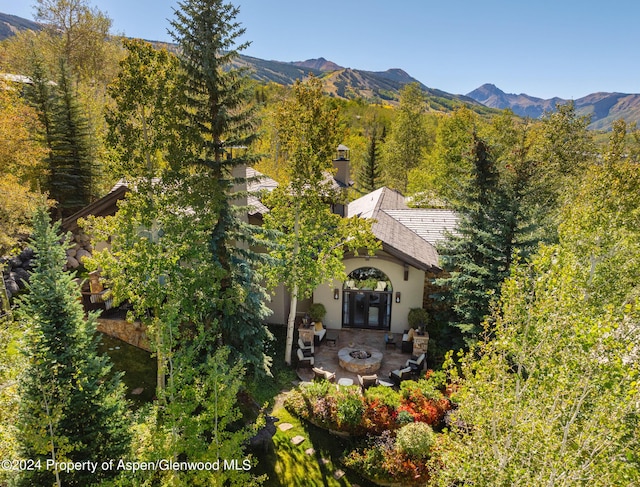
<point>326,354</point>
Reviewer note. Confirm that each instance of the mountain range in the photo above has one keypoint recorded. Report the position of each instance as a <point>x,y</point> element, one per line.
<point>603,108</point>
<point>384,86</point>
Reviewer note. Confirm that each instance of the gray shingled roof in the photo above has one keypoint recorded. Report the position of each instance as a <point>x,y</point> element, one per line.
<point>258,183</point>
<point>385,206</point>
<point>431,224</point>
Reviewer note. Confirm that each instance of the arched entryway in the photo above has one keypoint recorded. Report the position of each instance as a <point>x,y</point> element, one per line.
<point>366,299</point>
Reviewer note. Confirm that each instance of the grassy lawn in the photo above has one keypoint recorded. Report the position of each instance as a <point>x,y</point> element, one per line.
<point>314,461</point>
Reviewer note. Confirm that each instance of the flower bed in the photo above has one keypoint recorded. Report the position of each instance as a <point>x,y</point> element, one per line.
<point>401,444</point>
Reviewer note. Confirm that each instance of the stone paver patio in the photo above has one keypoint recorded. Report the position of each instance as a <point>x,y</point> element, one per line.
<point>326,354</point>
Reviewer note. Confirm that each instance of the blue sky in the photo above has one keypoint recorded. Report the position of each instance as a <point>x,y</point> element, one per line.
<point>545,48</point>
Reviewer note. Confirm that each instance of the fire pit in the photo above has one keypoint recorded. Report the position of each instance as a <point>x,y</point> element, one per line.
<point>360,360</point>
<point>360,354</point>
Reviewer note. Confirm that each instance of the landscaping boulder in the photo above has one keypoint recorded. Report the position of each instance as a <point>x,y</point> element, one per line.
<point>20,276</point>
<point>26,254</point>
<point>12,286</point>
<point>15,262</point>
<point>81,254</point>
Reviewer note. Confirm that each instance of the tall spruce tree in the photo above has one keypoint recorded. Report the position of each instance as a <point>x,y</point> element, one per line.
<point>369,175</point>
<point>209,159</point>
<point>478,257</point>
<point>71,161</point>
<point>71,407</point>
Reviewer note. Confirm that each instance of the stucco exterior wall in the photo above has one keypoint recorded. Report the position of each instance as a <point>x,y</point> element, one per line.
<point>411,292</point>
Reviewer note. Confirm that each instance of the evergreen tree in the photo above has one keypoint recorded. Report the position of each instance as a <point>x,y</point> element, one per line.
<point>478,257</point>
<point>163,258</point>
<point>368,176</point>
<point>71,407</point>
<point>70,162</point>
<point>209,158</point>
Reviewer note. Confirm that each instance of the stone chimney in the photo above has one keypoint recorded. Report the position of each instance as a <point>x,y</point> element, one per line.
<point>341,164</point>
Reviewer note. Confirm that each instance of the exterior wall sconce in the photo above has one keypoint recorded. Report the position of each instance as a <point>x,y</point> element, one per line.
<point>397,297</point>
<point>406,272</point>
<point>336,293</point>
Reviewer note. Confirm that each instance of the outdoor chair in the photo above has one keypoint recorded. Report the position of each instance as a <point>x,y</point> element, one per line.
<point>319,332</point>
<point>307,349</point>
<point>98,295</point>
<point>407,341</point>
<point>320,374</point>
<point>367,381</point>
<point>399,375</point>
<point>304,361</point>
<point>416,364</point>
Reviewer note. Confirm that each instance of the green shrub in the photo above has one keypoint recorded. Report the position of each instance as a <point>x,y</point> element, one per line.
<point>415,440</point>
<point>404,417</point>
<point>296,404</point>
<point>422,387</point>
<point>317,311</point>
<point>418,318</point>
<point>385,395</point>
<point>437,378</point>
<point>317,389</point>
<point>350,409</point>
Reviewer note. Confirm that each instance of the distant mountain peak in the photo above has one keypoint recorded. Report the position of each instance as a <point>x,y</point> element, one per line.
<point>321,64</point>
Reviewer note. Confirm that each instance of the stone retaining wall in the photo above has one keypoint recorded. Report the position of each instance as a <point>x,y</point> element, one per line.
<point>132,333</point>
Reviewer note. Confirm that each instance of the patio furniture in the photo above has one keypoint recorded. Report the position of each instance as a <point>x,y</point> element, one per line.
<point>98,295</point>
<point>407,341</point>
<point>389,341</point>
<point>304,361</point>
<point>367,381</point>
<point>332,337</point>
<point>385,383</point>
<point>416,363</point>
<point>305,347</point>
<point>319,332</point>
<point>345,381</point>
<point>399,375</point>
<point>321,374</point>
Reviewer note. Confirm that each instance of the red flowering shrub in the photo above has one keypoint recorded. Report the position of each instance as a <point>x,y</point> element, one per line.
<point>381,460</point>
<point>379,417</point>
<point>425,403</point>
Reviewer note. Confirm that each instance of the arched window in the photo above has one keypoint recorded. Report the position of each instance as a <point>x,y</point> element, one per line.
<point>366,299</point>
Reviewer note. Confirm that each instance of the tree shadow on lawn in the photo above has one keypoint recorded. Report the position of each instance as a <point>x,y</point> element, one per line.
<point>287,464</point>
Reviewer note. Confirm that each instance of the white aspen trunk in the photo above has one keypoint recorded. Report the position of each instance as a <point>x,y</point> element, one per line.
<point>291,324</point>
<point>293,304</point>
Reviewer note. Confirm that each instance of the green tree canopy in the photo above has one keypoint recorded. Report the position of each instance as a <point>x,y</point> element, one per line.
<point>408,138</point>
<point>71,407</point>
<point>552,398</point>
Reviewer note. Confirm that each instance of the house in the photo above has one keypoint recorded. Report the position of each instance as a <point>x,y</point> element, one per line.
<point>380,289</point>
